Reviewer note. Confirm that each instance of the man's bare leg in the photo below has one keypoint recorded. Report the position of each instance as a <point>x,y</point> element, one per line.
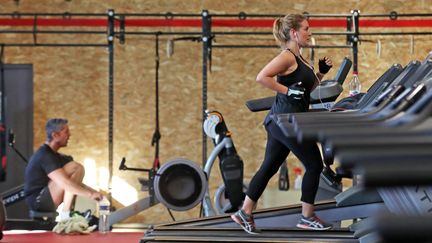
<point>57,193</point>
<point>75,171</point>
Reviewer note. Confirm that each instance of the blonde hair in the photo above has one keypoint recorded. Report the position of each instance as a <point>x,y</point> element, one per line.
<point>283,25</point>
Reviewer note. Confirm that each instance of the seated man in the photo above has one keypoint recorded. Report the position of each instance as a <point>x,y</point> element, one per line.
<point>51,177</point>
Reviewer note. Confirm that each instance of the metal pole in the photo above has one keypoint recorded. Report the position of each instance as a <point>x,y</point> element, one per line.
<point>156,135</point>
<point>276,46</point>
<point>52,45</point>
<point>3,129</point>
<point>110,36</point>
<point>355,38</point>
<point>206,40</point>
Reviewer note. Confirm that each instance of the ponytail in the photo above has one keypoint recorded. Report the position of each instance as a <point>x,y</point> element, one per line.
<point>278,32</point>
<point>283,25</point>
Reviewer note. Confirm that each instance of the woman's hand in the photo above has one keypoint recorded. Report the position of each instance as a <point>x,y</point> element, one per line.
<point>324,65</point>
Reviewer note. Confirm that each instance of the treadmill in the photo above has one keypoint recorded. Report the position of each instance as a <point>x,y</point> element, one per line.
<point>386,162</point>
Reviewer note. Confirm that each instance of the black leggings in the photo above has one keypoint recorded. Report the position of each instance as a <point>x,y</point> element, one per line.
<point>277,149</point>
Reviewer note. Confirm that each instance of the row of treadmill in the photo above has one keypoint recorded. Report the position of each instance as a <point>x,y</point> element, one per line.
<point>384,142</point>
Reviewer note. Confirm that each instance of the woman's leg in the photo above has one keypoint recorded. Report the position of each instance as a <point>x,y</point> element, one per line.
<point>275,155</point>
<point>310,156</point>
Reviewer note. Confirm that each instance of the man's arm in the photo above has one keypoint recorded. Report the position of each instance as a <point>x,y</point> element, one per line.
<point>88,188</point>
<point>60,178</point>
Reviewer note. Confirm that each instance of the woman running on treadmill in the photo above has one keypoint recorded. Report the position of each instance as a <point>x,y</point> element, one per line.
<point>295,79</point>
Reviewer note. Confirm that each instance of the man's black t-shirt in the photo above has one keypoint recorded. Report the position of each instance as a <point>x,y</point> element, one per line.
<point>43,161</point>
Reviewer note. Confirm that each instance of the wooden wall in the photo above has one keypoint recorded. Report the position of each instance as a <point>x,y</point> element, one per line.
<point>72,82</point>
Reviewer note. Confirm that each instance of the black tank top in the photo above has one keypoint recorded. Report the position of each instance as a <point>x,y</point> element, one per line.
<point>287,104</point>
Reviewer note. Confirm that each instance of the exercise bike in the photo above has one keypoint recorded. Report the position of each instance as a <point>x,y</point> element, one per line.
<point>230,195</point>
<point>180,184</point>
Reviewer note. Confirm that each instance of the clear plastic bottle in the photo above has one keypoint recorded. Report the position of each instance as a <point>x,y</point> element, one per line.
<point>354,85</point>
<point>104,211</point>
<point>298,180</point>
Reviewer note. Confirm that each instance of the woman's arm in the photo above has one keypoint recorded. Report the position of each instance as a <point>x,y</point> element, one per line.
<point>319,75</point>
<point>284,63</point>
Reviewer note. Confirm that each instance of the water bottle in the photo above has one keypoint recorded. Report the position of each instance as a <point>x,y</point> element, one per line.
<point>354,85</point>
<point>104,211</point>
<point>298,180</point>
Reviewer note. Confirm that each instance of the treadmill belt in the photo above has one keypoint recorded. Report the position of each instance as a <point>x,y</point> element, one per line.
<point>191,234</point>
<point>287,215</point>
<point>222,229</point>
